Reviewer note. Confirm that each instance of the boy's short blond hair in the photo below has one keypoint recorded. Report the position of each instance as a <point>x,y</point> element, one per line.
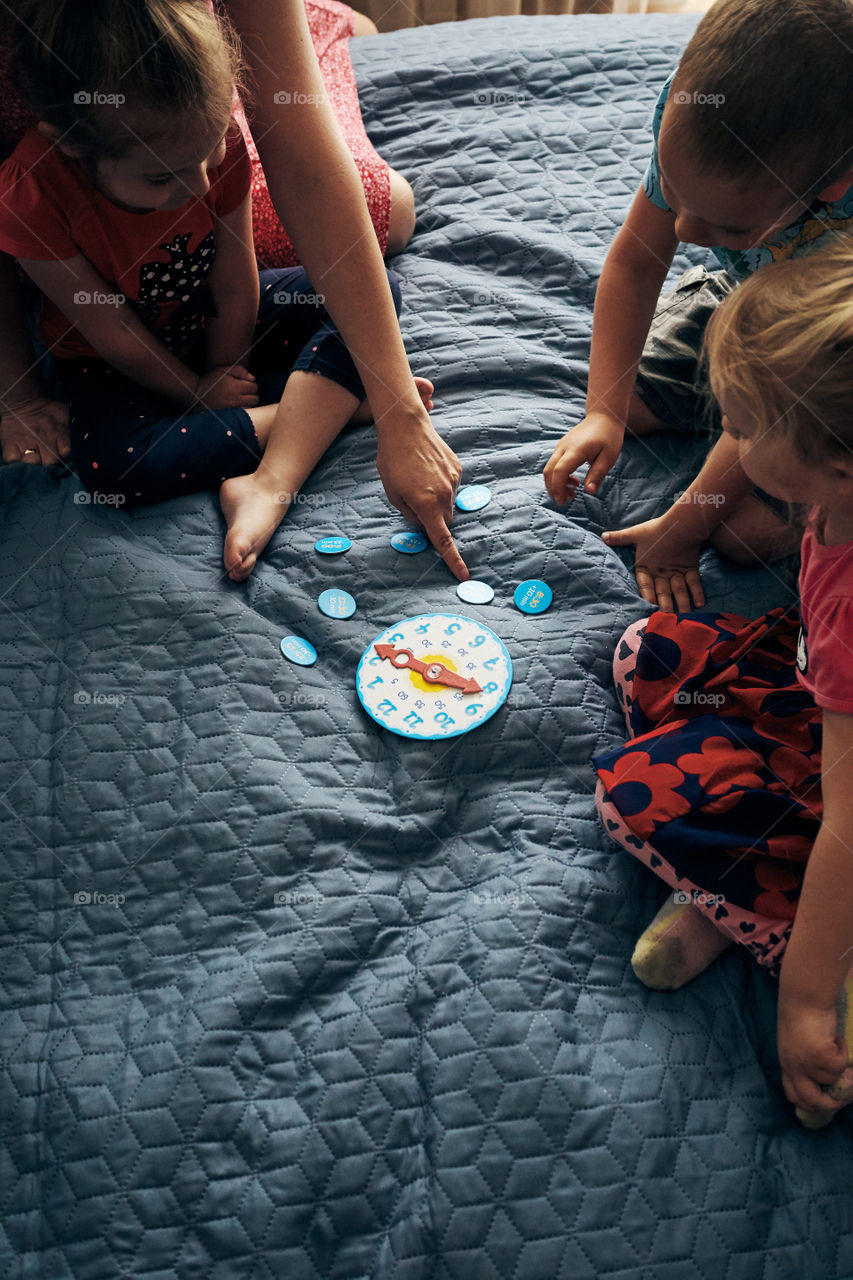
<point>782,345</point>
<point>767,86</point>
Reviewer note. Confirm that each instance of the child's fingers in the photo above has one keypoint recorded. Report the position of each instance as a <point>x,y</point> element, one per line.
<point>646,584</point>
<point>680,591</point>
<point>620,537</point>
<point>694,583</point>
<point>599,469</point>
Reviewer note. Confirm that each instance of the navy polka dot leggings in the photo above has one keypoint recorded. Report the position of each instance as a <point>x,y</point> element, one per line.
<point>132,442</point>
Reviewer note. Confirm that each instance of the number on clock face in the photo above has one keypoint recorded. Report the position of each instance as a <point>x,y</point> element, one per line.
<point>400,697</point>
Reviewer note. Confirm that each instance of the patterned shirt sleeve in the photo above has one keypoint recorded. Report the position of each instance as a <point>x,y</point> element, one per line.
<point>651,181</point>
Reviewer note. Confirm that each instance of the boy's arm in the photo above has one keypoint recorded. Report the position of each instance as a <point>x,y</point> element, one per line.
<point>819,953</point>
<point>666,560</point>
<point>235,289</point>
<point>29,419</point>
<point>118,335</point>
<point>634,271</point>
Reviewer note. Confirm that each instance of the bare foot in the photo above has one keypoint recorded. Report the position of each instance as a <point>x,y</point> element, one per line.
<point>253,508</point>
<point>363,413</point>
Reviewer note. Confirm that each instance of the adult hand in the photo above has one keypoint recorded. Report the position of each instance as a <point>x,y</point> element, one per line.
<point>228,387</point>
<point>420,473</point>
<point>666,564</point>
<point>597,440</point>
<point>35,431</point>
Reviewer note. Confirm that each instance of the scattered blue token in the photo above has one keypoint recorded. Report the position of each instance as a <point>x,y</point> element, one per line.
<point>410,543</point>
<point>473,497</point>
<point>475,592</point>
<point>332,546</point>
<point>297,650</point>
<point>336,603</point>
<point>533,596</point>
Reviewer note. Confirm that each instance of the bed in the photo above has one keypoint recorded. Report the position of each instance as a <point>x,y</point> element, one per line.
<point>286,995</point>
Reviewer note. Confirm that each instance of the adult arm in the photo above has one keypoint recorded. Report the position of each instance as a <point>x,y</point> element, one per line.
<point>315,188</point>
<point>29,419</point>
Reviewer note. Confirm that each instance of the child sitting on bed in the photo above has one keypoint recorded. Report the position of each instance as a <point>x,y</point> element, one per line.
<point>753,156</point>
<point>129,208</point>
<point>736,787</point>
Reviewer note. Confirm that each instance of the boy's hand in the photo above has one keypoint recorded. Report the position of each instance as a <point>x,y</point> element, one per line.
<point>811,1054</point>
<point>228,387</point>
<point>666,564</point>
<point>596,440</point>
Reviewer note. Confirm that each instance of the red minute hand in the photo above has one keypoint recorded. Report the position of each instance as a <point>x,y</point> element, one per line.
<point>434,672</point>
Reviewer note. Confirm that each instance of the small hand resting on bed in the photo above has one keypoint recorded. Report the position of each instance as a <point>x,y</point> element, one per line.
<point>666,563</point>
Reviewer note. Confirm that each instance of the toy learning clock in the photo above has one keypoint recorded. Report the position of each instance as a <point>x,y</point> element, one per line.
<point>434,676</point>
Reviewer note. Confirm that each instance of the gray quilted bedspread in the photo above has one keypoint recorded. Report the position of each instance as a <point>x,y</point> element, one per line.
<point>285,995</point>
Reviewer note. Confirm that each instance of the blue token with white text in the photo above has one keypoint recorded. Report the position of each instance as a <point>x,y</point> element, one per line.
<point>533,596</point>
<point>410,543</point>
<point>332,546</point>
<point>475,592</point>
<point>297,650</point>
<point>336,603</point>
<point>473,497</point>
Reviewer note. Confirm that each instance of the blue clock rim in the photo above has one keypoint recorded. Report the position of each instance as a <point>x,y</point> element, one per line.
<point>435,737</point>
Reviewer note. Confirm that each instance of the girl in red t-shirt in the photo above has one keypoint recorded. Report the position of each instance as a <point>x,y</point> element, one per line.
<point>736,786</point>
<point>129,208</point>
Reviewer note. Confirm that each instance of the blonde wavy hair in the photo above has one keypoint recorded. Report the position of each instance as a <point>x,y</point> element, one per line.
<point>171,57</point>
<point>782,345</point>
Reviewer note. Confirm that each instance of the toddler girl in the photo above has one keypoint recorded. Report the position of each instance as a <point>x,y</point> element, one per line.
<point>736,786</point>
<point>129,207</point>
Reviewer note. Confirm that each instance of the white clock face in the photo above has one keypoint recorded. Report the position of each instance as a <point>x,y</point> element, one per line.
<point>396,693</point>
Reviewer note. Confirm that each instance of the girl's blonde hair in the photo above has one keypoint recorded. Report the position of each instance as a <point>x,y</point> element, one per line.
<point>782,345</point>
<point>73,63</point>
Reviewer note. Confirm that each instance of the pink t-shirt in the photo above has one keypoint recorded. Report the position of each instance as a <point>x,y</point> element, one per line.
<point>825,650</point>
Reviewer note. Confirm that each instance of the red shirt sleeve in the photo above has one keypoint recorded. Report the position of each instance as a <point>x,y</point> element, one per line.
<point>35,203</point>
<point>234,176</point>
<point>827,652</point>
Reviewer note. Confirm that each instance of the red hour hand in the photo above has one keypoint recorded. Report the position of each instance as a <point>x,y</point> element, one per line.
<point>433,672</point>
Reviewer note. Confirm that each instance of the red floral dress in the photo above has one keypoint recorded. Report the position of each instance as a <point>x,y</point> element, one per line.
<point>718,789</point>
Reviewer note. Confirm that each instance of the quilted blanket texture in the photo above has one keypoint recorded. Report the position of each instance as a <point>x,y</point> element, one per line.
<point>286,996</point>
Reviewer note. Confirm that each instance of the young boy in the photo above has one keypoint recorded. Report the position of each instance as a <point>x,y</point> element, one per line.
<point>752,157</point>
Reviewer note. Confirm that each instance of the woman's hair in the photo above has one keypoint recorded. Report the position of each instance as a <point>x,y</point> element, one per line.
<point>782,344</point>
<point>74,63</point>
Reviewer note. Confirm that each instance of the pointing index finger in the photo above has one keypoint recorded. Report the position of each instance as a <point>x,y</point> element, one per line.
<point>442,539</point>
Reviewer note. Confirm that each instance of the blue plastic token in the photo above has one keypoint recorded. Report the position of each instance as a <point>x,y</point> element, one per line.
<point>475,592</point>
<point>332,546</point>
<point>473,497</point>
<point>336,603</point>
<point>297,650</point>
<point>410,543</point>
<point>533,596</point>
